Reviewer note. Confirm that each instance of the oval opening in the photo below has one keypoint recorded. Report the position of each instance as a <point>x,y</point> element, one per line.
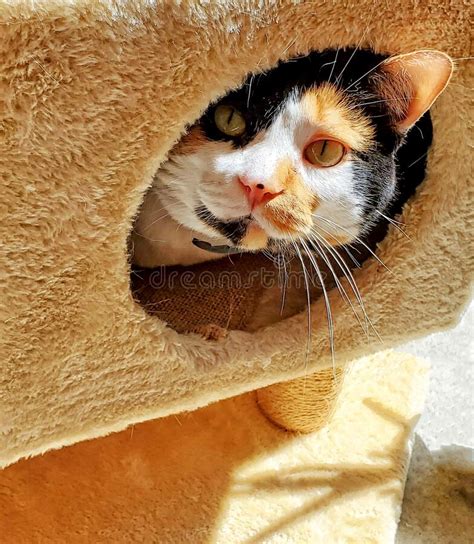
<point>250,290</point>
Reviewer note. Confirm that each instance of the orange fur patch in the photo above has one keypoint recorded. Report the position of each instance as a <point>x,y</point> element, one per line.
<point>292,210</point>
<point>290,181</point>
<point>255,238</point>
<point>191,142</point>
<point>330,112</point>
<point>337,239</point>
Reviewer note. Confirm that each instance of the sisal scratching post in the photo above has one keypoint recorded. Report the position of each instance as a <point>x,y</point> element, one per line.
<point>303,405</point>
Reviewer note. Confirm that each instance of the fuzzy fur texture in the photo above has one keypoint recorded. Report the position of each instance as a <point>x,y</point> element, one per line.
<point>225,475</point>
<point>91,101</point>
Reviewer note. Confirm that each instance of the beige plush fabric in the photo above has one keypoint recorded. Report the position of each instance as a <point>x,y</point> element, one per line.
<point>225,475</point>
<point>91,98</point>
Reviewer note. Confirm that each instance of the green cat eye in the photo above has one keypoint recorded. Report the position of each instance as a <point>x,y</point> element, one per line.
<point>229,120</point>
<point>324,153</point>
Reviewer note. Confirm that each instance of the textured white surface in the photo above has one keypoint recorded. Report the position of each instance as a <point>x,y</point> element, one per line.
<point>438,506</point>
<point>448,417</point>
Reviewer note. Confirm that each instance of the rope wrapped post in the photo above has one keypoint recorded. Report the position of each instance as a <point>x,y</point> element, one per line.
<point>303,405</point>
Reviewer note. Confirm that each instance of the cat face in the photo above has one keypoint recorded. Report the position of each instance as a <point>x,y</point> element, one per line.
<point>306,151</point>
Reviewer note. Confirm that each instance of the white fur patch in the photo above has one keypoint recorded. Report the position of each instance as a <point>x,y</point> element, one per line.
<point>209,177</point>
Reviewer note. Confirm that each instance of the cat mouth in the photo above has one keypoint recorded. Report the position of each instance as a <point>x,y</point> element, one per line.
<point>244,233</point>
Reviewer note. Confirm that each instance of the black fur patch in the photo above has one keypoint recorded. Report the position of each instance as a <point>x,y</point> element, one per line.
<point>386,175</point>
<point>262,95</point>
<point>233,230</point>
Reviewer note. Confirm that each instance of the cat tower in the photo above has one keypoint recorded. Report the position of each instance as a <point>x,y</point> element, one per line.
<point>92,96</point>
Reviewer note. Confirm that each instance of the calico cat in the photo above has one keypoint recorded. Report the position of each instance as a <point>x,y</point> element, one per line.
<point>306,153</point>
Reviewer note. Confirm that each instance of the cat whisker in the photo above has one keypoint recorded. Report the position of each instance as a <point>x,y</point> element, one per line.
<point>320,251</point>
<point>363,76</point>
<point>417,160</point>
<point>274,258</point>
<point>326,302</point>
<point>357,239</point>
<point>384,101</point>
<point>284,287</point>
<point>350,255</point>
<point>350,278</point>
<point>290,44</point>
<point>420,131</point>
<point>338,79</point>
<point>345,246</point>
<point>333,64</point>
<point>272,111</point>
<point>396,224</point>
<point>393,220</point>
<point>308,300</point>
<point>156,221</point>
<point>250,90</point>
<point>147,238</point>
<point>279,259</point>
<point>357,47</point>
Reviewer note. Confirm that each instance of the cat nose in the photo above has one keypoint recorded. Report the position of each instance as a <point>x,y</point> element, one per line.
<point>257,193</point>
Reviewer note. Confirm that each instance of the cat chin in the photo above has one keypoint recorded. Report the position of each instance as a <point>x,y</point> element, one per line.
<point>280,233</point>
<point>255,238</point>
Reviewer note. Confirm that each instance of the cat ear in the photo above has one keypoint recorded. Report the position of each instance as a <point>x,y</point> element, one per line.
<point>411,83</point>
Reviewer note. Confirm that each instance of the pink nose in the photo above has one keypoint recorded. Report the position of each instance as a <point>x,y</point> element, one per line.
<point>257,193</point>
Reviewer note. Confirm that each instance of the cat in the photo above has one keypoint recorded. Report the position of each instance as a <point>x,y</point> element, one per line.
<point>302,156</point>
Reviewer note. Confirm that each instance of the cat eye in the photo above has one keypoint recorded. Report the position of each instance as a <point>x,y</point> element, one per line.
<point>229,120</point>
<point>324,153</point>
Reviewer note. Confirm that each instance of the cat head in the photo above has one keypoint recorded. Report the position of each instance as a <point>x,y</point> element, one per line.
<point>304,151</point>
